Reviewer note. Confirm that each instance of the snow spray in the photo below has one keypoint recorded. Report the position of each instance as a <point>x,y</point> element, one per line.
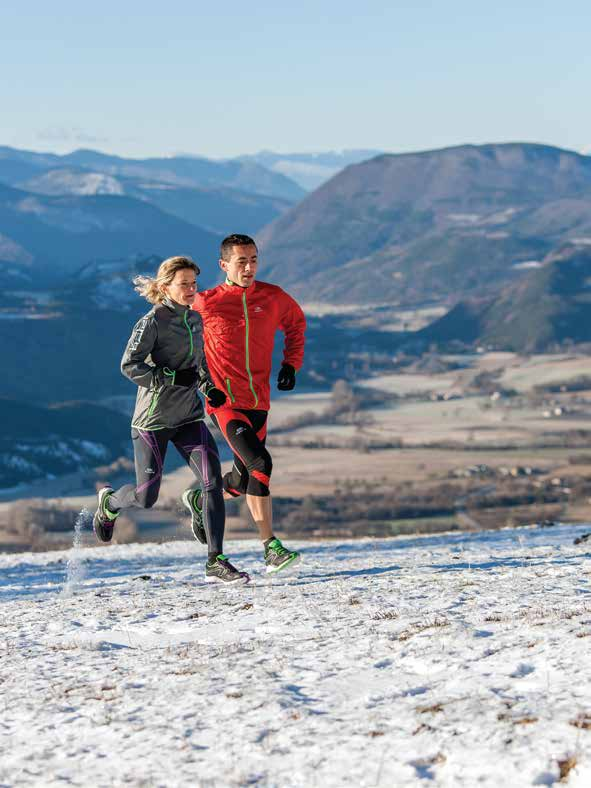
<point>75,569</point>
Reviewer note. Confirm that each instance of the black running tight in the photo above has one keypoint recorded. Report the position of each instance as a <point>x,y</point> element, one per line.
<point>196,445</point>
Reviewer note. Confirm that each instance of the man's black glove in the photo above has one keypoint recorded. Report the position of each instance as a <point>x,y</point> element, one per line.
<point>216,397</point>
<point>286,378</point>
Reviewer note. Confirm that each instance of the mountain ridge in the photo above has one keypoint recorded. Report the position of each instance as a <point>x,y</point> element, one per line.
<point>410,226</point>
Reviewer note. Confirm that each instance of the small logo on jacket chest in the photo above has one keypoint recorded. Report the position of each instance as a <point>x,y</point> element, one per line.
<point>258,309</point>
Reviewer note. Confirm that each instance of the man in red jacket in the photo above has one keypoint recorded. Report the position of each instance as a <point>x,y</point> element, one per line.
<point>240,318</point>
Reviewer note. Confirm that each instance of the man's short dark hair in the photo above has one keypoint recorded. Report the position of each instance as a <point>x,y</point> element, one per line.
<point>234,240</point>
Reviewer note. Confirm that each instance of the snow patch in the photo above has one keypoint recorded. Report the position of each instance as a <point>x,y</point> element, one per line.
<point>455,659</point>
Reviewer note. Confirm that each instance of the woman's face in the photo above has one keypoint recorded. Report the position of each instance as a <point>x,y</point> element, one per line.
<point>183,287</point>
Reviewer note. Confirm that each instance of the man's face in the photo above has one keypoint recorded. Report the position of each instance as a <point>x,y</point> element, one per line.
<point>241,267</point>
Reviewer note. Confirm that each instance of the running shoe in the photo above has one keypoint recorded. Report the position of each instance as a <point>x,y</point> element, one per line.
<point>190,501</point>
<point>222,571</point>
<point>278,557</point>
<point>103,521</point>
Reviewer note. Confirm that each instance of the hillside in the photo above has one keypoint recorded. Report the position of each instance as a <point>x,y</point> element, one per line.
<point>431,226</point>
<point>38,442</point>
<point>48,238</point>
<point>549,306</point>
<point>449,660</point>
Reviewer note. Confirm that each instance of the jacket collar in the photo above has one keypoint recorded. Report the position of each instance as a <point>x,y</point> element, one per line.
<point>233,287</point>
<point>179,309</point>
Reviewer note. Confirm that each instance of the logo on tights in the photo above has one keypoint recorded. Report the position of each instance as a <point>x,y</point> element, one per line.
<point>240,429</point>
<point>150,470</point>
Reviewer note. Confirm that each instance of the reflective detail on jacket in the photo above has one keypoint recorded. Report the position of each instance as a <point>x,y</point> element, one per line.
<point>167,339</point>
<point>239,332</point>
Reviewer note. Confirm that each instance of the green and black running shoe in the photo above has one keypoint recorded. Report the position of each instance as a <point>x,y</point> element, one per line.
<point>103,521</point>
<point>190,501</point>
<point>278,557</point>
<point>222,571</point>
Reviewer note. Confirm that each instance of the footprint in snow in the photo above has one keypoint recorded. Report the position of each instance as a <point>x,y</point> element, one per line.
<point>522,670</point>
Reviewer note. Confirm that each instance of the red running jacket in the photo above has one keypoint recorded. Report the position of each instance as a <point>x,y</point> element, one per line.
<point>239,325</point>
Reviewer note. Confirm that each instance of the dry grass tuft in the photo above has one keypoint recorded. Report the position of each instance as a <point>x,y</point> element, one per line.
<point>583,721</point>
<point>419,627</point>
<point>565,766</point>
<point>246,606</point>
<point>503,717</point>
<point>423,727</point>
<point>432,760</point>
<point>434,709</point>
<point>354,601</point>
<point>233,695</point>
<point>373,734</point>
<point>385,615</point>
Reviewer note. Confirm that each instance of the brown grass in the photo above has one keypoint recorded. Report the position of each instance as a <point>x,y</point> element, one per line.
<point>423,727</point>
<point>434,709</point>
<point>419,627</point>
<point>565,766</point>
<point>502,717</point>
<point>583,721</point>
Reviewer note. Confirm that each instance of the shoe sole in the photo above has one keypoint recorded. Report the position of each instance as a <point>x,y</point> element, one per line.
<point>291,563</point>
<point>200,536</point>
<point>239,580</point>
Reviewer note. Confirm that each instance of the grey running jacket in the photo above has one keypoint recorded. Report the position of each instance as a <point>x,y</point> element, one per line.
<point>169,338</point>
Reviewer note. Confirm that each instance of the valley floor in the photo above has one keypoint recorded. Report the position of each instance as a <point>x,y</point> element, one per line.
<point>450,660</point>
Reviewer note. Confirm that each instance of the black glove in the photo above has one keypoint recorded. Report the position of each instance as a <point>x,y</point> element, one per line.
<point>185,377</point>
<point>286,378</point>
<point>216,397</point>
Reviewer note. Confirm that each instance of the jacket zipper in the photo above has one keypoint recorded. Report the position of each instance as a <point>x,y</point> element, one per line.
<point>256,399</point>
<point>190,333</point>
<point>153,403</point>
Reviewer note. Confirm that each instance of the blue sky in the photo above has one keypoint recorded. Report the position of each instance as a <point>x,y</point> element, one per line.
<point>220,79</point>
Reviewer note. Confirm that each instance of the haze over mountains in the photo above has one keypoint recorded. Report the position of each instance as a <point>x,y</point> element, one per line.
<point>431,227</point>
<point>310,170</point>
<point>59,212</point>
<point>19,165</point>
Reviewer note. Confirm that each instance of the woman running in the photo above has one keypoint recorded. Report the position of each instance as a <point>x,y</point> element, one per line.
<point>164,358</point>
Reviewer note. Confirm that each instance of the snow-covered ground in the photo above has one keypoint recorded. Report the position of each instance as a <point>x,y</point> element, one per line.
<point>452,660</point>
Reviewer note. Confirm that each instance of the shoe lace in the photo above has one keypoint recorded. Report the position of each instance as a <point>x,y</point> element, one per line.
<point>278,548</point>
<point>225,562</point>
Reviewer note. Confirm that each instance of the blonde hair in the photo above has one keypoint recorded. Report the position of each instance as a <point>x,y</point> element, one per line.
<point>150,287</point>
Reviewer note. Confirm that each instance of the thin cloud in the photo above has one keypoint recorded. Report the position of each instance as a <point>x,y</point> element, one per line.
<point>63,134</point>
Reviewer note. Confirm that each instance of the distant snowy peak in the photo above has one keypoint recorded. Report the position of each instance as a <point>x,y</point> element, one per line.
<point>73,182</point>
<point>310,170</point>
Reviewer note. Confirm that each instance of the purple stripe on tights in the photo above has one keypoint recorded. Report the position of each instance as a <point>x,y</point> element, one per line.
<point>203,448</point>
<point>153,444</point>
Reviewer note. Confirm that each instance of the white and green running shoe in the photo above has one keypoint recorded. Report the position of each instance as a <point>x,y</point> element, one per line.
<point>278,557</point>
<point>103,521</point>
